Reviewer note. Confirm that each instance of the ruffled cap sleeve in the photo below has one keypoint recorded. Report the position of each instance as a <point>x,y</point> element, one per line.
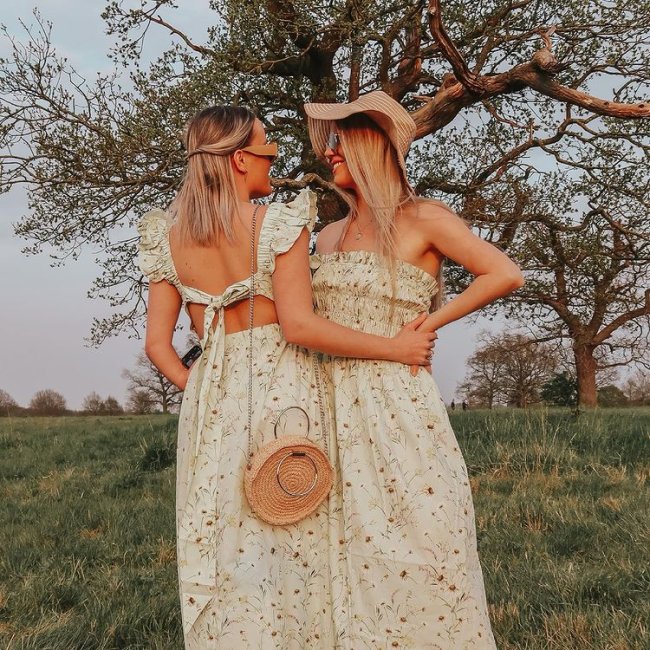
<point>154,255</point>
<point>282,226</point>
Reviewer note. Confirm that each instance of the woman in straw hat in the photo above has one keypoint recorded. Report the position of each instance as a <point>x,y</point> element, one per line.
<point>406,572</point>
<point>242,273</point>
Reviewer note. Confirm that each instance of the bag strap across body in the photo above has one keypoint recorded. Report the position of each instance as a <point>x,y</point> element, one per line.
<point>315,363</point>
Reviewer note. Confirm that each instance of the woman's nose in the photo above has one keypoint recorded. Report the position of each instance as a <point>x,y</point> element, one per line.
<point>329,152</point>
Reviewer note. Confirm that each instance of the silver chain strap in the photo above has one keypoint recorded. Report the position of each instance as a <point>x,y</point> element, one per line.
<point>316,366</point>
<point>315,362</point>
<point>251,303</point>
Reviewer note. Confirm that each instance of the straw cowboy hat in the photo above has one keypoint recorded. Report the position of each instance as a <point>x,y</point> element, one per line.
<point>381,108</point>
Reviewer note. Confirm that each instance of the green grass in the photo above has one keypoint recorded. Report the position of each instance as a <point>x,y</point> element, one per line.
<point>87,529</point>
<point>562,515</point>
<point>87,532</point>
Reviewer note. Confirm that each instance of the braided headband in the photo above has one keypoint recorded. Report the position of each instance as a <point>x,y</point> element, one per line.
<point>268,149</point>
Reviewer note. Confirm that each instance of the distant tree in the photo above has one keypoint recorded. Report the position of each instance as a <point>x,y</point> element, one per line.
<point>93,404</point>
<point>611,395</point>
<point>529,365</point>
<point>637,388</point>
<point>146,380</point>
<point>139,402</point>
<point>483,386</point>
<point>48,402</point>
<point>561,390</point>
<point>110,406</point>
<point>510,368</point>
<point>8,405</point>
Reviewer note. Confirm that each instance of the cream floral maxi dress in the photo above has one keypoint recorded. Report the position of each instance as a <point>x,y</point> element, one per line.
<point>243,583</point>
<point>406,574</point>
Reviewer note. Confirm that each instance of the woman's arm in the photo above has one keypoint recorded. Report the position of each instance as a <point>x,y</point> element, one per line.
<point>301,326</point>
<point>496,274</point>
<point>163,308</point>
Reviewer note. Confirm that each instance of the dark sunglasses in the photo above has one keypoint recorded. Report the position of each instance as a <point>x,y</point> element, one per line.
<point>333,140</point>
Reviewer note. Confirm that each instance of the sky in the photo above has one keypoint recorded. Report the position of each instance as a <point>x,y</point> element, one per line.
<point>46,314</point>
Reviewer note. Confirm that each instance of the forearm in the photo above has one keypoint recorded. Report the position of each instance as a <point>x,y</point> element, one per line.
<point>165,358</point>
<point>318,333</point>
<point>482,291</point>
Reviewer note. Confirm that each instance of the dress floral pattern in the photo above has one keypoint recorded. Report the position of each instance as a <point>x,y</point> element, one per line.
<point>243,583</point>
<point>404,560</point>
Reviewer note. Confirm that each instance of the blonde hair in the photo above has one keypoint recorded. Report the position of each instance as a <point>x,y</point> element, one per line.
<point>207,202</point>
<point>374,166</point>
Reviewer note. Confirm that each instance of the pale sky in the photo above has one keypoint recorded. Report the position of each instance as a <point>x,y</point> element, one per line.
<point>46,313</point>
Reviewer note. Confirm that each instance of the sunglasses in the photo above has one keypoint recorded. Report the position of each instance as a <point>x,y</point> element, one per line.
<point>333,140</point>
<point>268,150</point>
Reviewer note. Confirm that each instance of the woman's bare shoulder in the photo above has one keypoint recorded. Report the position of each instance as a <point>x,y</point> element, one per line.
<point>329,236</point>
<point>433,209</point>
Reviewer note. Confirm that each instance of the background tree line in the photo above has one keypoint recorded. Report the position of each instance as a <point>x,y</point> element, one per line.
<point>531,115</point>
<point>148,391</point>
<point>506,369</point>
<point>513,369</point>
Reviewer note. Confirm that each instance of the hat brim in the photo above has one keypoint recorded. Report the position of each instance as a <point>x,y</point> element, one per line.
<point>321,118</point>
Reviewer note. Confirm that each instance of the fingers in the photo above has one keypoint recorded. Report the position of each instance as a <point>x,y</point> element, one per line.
<point>414,324</point>
<point>414,370</point>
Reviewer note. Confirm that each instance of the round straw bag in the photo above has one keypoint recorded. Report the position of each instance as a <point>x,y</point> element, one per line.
<point>289,477</point>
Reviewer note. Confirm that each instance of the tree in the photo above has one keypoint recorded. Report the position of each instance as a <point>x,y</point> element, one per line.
<point>484,386</point>
<point>561,390</point>
<point>586,250</point>
<point>8,405</point>
<point>48,402</point>
<point>148,388</point>
<point>502,85</point>
<point>93,404</point>
<point>637,388</point>
<point>508,368</point>
<point>111,406</point>
<point>611,395</point>
<point>139,402</point>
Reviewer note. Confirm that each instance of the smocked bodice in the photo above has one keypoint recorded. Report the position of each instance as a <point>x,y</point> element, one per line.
<point>354,289</point>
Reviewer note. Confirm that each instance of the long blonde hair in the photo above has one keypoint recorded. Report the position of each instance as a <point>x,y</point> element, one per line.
<point>373,164</point>
<point>207,203</point>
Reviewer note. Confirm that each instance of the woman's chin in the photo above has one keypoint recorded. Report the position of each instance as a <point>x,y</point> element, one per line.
<point>343,183</point>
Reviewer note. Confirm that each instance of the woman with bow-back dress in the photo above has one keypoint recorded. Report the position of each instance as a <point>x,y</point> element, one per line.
<point>244,583</point>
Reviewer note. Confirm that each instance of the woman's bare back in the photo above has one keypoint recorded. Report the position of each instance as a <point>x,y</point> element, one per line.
<point>212,269</point>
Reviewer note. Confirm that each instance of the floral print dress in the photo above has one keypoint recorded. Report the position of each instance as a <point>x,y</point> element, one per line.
<point>403,556</point>
<point>243,583</point>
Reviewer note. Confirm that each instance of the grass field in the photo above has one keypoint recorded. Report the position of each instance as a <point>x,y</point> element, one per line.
<point>87,529</point>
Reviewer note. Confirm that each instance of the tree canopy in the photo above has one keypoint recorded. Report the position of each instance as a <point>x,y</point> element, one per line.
<point>48,402</point>
<point>508,369</point>
<point>536,107</point>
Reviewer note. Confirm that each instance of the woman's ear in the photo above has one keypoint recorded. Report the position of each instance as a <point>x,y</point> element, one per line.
<point>238,162</point>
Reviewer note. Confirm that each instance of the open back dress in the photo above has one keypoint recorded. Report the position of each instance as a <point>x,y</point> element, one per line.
<point>243,583</point>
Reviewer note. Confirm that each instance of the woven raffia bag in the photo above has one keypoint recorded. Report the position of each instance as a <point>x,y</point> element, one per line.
<point>286,479</point>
